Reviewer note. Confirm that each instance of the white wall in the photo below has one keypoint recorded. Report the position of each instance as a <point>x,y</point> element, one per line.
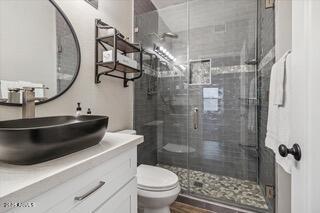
<point>108,98</point>
<point>283,192</point>
<point>283,30</point>
<point>283,27</point>
<point>28,42</point>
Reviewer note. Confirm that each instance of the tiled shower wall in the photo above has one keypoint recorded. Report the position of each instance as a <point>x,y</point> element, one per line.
<point>217,143</point>
<point>266,42</point>
<point>145,116</point>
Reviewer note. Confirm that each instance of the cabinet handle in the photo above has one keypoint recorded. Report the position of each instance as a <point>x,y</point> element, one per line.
<point>78,198</point>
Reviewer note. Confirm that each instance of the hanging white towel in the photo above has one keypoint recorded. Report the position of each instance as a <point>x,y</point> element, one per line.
<point>279,70</point>
<point>278,131</point>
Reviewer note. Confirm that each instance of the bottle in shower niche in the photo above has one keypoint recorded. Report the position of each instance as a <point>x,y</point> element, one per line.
<point>78,110</point>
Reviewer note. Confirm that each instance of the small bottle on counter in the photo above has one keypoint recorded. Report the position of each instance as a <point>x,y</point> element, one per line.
<point>78,112</point>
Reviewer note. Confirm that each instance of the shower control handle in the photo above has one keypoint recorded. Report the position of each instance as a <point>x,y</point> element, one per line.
<point>195,118</point>
<point>295,151</point>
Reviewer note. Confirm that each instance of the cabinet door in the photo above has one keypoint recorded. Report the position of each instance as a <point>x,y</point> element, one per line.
<point>116,173</point>
<point>125,201</point>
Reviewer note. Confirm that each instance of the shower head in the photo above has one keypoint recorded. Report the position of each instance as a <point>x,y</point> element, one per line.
<point>162,36</point>
<point>169,35</point>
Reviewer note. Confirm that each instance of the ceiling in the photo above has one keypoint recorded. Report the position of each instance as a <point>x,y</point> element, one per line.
<point>143,6</point>
<point>160,4</point>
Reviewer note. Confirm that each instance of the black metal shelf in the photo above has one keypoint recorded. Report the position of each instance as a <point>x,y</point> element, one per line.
<point>120,67</point>
<point>117,43</point>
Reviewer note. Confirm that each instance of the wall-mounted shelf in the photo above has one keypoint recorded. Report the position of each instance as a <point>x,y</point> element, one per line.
<point>119,45</point>
<point>120,67</point>
<point>122,44</point>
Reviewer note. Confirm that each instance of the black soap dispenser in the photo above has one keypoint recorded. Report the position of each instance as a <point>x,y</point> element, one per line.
<point>89,111</point>
<point>78,112</point>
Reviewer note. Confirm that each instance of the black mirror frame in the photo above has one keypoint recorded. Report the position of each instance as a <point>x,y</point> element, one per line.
<point>78,56</point>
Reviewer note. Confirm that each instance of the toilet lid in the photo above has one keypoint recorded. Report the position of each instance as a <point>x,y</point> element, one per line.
<point>153,178</point>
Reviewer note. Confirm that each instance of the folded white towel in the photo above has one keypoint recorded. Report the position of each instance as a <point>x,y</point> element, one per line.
<point>278,131</point>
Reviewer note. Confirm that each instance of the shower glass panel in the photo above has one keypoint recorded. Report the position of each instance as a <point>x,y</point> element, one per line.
<point>173,87</point>
<point>222,102</point>
<point>161,95</point>
<point>196,104</point>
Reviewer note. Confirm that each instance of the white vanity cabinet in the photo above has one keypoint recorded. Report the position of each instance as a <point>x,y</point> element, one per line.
<point>110,187</point>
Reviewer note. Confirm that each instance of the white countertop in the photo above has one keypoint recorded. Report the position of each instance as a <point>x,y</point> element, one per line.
<point>20,183</point>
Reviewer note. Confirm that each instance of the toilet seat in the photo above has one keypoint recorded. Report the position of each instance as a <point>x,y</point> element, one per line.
<point>151,178</point>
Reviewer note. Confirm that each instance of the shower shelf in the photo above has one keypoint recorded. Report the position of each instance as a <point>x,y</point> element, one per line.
<point>119,45</point>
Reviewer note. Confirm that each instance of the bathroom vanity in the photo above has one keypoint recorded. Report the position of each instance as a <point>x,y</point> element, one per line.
<point>101,178</point>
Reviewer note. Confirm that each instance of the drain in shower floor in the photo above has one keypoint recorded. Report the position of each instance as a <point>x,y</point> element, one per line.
<point>197,184</point>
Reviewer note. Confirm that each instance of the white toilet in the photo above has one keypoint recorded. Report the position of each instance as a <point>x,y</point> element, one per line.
<point>158,188</point>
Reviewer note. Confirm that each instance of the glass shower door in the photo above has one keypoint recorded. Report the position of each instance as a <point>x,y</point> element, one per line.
<point>222,128</point>
<point>165,35</point>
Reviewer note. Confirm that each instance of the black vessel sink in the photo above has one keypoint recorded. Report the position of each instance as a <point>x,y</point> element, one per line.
<point>35,140</point>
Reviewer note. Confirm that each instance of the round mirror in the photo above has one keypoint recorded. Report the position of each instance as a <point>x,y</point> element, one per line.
<point>38,49</point>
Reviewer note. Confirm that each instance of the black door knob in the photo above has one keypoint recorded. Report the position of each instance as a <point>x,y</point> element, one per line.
<point>295,151</point>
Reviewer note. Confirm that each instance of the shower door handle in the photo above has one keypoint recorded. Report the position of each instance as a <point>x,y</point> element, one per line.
<point>195,118</point>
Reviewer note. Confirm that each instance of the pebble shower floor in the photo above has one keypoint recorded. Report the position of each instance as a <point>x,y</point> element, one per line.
<point>218,187</point>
